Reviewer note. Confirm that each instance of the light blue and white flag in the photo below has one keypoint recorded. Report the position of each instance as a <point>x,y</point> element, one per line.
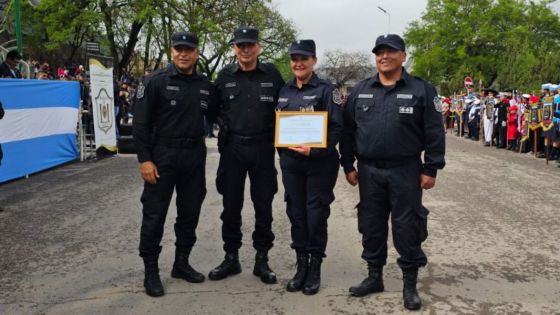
<point>38,130</point>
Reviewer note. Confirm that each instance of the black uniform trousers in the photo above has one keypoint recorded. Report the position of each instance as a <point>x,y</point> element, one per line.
<point>182,169</point>
<point>500,135</point>
<point>308,186</point>
<point>385,190</point>
<point>241,156</point>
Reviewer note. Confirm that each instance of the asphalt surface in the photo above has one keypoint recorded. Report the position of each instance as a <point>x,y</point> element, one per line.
<point>69,238</point>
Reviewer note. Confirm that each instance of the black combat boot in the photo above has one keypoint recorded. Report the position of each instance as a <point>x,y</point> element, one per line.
<point>230,266</point>
<point>410,294</point>
<point>152,283</point>
<point>183,270</point>
<point>372,284</point>
<point>296,283</point>
<point>262,269</point>
<point>313,279</point>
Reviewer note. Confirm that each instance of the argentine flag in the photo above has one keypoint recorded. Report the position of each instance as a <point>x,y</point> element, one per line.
<point>39,127</point>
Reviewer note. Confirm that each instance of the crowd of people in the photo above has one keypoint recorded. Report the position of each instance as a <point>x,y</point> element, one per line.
<point>509,120</point>
<point>124,87</point>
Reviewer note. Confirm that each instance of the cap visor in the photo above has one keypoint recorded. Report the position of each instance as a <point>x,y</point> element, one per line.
<point>175,44</point>
<point>300,52</point>
<point>390,45</point>
<point>244,40</point>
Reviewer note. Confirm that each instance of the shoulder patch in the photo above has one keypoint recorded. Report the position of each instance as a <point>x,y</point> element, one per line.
<point>438,105</point>
<point>337,97</point>
<point>141,91</point>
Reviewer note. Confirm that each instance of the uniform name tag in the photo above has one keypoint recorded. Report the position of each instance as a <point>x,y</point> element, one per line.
<point>267,84</point>
<point>205,92</point>
<point>283,99</point>
<point>309,97</point>
<point>365,96</point>
<point>404,96</point>
<point>406,110</point>
<point>231,84</point>
<point>172,88</point>
<point>267,98</point>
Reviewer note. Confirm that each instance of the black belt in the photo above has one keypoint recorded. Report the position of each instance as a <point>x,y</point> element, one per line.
<point>179,142</point>
<point>266,137</point>
<point>392,163</point>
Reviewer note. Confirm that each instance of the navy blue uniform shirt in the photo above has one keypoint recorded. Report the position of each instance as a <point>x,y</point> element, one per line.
<point>316,95</point>
<point>248,99</point>
<point>393,123</point>
<point>171,105</point>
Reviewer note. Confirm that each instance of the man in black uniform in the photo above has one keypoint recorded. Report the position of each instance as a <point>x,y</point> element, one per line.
<point>389,120</point>
<point>169,137</point>
<point>248,93</point>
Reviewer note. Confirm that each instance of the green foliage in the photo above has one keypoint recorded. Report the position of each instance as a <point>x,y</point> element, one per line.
<point>282,63</point>
<point>136,33</point>
<point>503,43</point>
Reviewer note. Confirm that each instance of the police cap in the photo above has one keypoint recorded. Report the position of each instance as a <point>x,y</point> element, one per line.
<point>304,47</point>
<point>184,39</point>
<point>389,40</point>
<point>245,35</point>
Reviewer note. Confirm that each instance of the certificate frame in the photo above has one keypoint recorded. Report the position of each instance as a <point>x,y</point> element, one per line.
<point>283,125</point>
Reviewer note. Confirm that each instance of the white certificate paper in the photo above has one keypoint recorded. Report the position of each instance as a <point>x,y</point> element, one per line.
<point>301,128</point>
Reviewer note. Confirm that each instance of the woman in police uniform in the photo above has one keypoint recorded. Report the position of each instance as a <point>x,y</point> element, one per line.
<point>309,174</point>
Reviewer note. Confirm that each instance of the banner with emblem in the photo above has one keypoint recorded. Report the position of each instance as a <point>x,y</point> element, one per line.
<point>547,112</point>
<point>103,104</point>
<point>534,116</point>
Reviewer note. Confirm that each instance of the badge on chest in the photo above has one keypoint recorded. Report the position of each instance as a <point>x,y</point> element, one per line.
<point>406,110</point>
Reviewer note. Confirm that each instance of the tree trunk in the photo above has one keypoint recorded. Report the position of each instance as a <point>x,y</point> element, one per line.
<point>130,45</point>
<point>108,21</point>
<point>147,46</point>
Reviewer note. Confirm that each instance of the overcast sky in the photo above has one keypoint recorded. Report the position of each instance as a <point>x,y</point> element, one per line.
<point>350,25</point>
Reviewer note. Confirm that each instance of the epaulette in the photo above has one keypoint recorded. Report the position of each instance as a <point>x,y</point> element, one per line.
<point>157,73</point>
<point>230,68</point>
<point>268,67</point>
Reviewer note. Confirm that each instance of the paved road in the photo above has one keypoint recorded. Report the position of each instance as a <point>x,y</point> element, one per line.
<point>69,237</point>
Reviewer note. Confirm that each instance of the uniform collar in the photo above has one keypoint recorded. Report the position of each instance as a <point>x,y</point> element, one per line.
<point>405,78</point>
<point>314,81</point>
<point>236,67</point>
<point>172,70</point>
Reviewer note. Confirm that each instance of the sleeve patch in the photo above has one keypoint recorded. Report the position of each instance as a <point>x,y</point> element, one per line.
<point>141,91</point>
<point>337,97</point>
<point>438,105</point>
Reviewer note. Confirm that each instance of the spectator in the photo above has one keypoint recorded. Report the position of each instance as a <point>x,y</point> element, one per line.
<point>8,69</point>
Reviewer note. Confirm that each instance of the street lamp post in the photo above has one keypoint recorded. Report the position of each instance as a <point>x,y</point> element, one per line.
<point>389,16</point>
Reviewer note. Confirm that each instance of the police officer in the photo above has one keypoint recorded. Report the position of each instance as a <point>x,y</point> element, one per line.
<point>169,137</point>
<point>248,93</point>
<point>389,120</point>
<point>309,175</point>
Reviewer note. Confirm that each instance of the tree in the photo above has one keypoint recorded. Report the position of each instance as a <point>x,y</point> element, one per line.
<point>342,67</point>
<point>136,33</point>
<point>503,43</point>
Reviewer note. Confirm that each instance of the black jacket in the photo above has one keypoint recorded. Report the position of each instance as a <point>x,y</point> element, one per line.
<point>5,72</point>
<point>396,123</point>
<point>248,99</point>
<point>171,105</point>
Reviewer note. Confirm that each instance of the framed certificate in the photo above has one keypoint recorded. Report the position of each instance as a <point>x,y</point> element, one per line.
<point>301,128</point>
